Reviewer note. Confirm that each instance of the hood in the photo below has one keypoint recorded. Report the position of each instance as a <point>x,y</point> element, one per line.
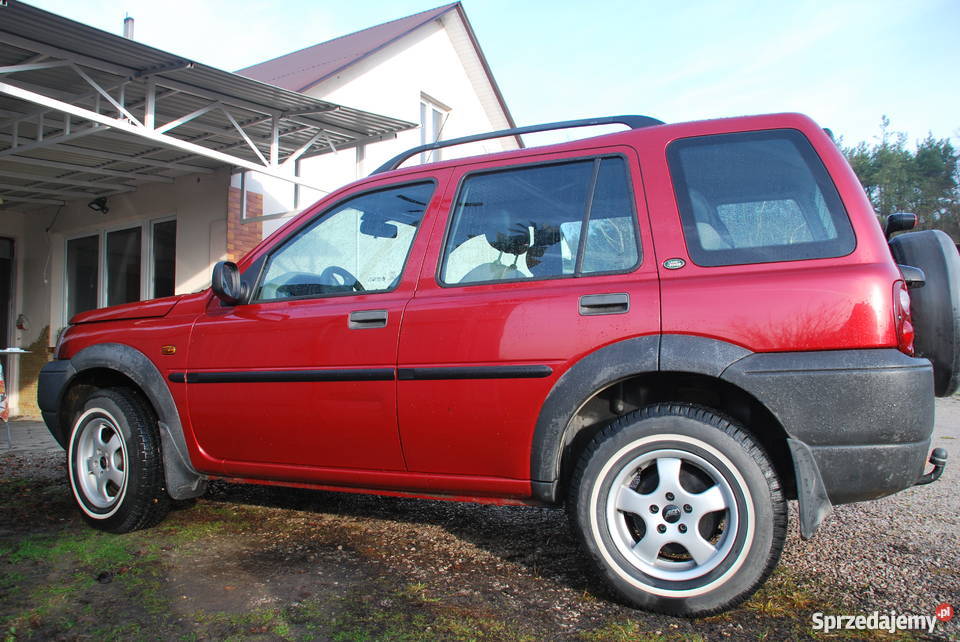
<point>137,310</point>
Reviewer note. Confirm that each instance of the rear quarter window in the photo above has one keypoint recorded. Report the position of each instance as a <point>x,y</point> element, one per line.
<point>757,197</point>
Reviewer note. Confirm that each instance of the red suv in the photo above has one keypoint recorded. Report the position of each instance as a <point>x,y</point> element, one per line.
<point>673,329</point>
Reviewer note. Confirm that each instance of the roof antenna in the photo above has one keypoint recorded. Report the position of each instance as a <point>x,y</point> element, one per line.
<point>128,27</point>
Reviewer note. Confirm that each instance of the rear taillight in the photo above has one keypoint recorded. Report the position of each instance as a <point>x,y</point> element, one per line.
<point>904,322</point>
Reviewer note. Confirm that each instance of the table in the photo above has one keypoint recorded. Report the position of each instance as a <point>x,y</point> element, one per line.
<point>4,408</point>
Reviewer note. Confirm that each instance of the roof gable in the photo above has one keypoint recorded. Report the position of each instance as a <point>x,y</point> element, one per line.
<point>300,70</point>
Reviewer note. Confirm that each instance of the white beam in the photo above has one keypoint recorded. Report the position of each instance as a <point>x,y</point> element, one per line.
<point>354,143</point>
<point>306,111</point>
<point>59,181</point>
<point>150,105</point>
<point>121,125</point>
<point>12,69</point>
<point>244,136</point>
<point>64,96</point>
<point>21,199</point>
<point>173,124</point>
<point>275,141</point>
<point>50,50</point>
<point>103,92</point>
<point>27,160</point>
<point>303,148</point>
<point>39,190</point>
<point>16,148</point>
<point>216,96</point>
<point>137,159</point>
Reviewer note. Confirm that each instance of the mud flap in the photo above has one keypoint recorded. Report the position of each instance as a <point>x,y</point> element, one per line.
<point>182,481</point>
<point>811,492</point>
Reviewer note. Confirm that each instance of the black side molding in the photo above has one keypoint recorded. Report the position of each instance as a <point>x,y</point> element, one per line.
<point>288,376</point>
<point>474,372</point>
<point>365,374</point>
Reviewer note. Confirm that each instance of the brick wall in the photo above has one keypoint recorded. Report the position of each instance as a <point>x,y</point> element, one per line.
<point>30,365</point>
<point>243,235</point>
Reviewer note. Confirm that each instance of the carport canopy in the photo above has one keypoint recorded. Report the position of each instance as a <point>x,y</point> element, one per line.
<point>85,113</point>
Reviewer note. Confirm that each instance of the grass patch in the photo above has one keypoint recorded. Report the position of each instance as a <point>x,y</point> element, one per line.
<point>628,630</point>
<point>87,548</point>
<point>240,626</point>
<point>782,597</point>
<point>56,579</point>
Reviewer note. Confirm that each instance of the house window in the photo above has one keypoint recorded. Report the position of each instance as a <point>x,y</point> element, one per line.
<point>123,265</point>
<point>433,116</point>
<point>83,274</point>
<point>118,266</point>
<point>164,258</point>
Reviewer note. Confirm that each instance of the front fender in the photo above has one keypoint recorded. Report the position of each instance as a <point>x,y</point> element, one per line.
<point>183,481</point>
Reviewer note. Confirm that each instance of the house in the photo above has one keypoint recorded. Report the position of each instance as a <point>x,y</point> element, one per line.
<point>126,171</point>
<point>427,68</point>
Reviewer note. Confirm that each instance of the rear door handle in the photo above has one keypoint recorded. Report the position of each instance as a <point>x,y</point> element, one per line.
<point>594,304</point>
<point>364,319</point>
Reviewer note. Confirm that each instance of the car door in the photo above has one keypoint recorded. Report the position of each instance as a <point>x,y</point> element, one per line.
<point>511,295</point>
<point>304,374</point>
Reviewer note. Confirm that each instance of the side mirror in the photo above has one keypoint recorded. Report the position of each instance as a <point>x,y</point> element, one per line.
<point>226,283</point>
<point>899,222</point>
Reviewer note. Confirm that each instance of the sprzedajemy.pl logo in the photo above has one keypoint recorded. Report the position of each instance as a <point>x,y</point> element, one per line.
<point>890,621</point>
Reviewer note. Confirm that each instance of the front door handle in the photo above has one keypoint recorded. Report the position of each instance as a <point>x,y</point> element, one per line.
<point>364,319</point>
<point>594,304</point>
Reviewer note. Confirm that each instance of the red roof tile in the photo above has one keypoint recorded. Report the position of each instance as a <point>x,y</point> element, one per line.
<point>300,70</point>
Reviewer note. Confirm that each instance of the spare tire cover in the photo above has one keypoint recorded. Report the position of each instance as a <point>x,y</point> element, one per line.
<point>935,307</point>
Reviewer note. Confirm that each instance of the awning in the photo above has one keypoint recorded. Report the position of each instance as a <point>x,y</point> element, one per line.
<point>86,113</point>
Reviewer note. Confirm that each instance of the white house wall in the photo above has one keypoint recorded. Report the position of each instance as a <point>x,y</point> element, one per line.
<point>432,61</point>
<point>198,203</point>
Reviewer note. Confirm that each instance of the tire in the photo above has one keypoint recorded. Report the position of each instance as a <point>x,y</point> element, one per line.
<point>702,482</point>
<point>935,307</point>
<point>114,463</point>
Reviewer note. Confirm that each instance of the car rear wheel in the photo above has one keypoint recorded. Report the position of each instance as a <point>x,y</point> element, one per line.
<point>114,463</point>
<point>679,510</point>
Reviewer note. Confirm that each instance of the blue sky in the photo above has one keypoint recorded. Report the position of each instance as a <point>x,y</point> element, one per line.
<point>845,63</point>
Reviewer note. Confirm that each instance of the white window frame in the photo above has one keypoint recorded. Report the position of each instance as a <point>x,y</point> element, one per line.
<point>428,107</point>
<point>146,259</point>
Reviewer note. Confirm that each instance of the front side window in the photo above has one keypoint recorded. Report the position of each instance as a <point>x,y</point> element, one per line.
<point>526,223</point>
<point>757,197</point>
<point>359,245</point>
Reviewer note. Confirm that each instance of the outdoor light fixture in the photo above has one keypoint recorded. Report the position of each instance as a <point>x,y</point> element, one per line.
<point>99,205</point>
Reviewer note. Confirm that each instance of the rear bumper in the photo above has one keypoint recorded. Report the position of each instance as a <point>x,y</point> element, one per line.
<point>859,473</point>
<point>859,421</point>
<point>866,415</point>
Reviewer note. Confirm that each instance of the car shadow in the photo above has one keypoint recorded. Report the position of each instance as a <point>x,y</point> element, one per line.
<point>536,538</point>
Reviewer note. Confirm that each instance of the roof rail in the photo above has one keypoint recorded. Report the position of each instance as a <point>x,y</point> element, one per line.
<point>633,122</point>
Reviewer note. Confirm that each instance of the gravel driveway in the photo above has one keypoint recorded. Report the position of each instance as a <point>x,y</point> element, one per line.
<point>271,563</point>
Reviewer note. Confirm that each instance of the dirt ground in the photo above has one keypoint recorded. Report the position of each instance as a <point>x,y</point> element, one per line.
<point>248,562</point>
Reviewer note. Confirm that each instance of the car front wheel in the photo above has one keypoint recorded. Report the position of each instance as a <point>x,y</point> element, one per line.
<point>114,463</point>
<point>679,510</point>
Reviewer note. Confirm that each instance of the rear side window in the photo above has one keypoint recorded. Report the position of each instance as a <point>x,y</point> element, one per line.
<point>527,222</point>
<point>757,197</point>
